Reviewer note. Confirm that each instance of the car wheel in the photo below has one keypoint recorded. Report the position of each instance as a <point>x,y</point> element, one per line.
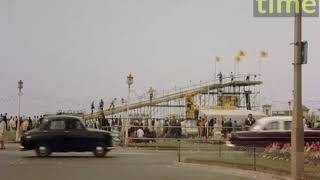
<point>100,150</point>
<point>43,150</point>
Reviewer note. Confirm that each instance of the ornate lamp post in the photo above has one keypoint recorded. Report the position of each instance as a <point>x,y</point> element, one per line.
<point>123,101</point>
<point>129,82</point>
<point>290,110</point>
<point>151,95</point>
<point>20,86</point>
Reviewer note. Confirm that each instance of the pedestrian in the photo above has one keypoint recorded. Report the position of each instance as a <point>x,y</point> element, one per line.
<point>5,119</point>
<point>184,132</point>
<point>231,77</point>
<point>248,78</point>
<point>166,128</point>
<point>229,126</point>
<point>12,124</point>
<point>140,133</point>
<point>201,128</point>
<point>92,107</point>
<point>2,132</point>
<point>249,122</point>
<point>235,125</point>
<point>220,77</point>
<point>29,123</point>
<point>157,127</point>
<point>211,124</point>
<point>97,123</point>
<point>25,125</point>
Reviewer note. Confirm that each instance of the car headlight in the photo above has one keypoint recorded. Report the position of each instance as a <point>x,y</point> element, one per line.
<point>28,137</point>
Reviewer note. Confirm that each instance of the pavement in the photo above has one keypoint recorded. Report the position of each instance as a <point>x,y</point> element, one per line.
<point>118,164</point>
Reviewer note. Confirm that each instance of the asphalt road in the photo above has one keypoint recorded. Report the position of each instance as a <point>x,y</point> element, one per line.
<point>118,165</point>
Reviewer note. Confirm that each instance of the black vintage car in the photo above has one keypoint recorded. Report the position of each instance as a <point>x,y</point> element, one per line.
<point>66,134</point>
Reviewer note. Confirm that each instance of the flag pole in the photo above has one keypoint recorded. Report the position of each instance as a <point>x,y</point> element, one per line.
<point>215,69</point>
<point>260,73</point>
<point>234,68</point>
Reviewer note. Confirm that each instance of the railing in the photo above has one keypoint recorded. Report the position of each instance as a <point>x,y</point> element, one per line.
<point>187,89</point>
<point>153,133</point>
<point>197,85</point>
<point>274,158</point>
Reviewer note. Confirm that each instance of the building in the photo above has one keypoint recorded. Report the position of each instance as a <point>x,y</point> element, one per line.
<point>267,110</point>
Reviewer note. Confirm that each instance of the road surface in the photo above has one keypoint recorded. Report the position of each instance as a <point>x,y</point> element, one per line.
<point>118,165</point>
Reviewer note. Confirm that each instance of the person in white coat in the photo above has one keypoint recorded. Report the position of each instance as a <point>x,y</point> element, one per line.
<point>157,127</point>
<point>3,128</point>
<point>184,132</point>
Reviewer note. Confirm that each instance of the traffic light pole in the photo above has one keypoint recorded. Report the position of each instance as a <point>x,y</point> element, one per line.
<point>297,135</point>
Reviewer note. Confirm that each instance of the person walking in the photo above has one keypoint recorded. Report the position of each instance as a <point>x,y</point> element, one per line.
<point>12,124</point>
<point>249,122</point>
<point>29,124</point>
<point>2,132</point>
<point>5,119</point>
<point>229,126</point>
<point>220,76</point>
<point>235,125</point>
<point>25,125</point>
<point>231,76</point>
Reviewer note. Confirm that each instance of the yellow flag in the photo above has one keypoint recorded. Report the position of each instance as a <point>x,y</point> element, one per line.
<point>238,59</point>
<point>264,54</point>
<point>218,59</point>
<point>242,53</point>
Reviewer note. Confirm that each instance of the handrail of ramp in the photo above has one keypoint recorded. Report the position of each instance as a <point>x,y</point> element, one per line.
<point>201,88</point>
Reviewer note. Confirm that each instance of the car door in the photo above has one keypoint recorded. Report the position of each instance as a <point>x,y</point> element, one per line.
<point>56,133</point>
<point>78,136</point>
<point>272,132</point>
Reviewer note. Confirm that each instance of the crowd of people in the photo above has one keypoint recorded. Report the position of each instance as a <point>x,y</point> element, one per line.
<point>26,123</point>
<point>171,127</point>
<point>11,124</point>
<point>206,128</point>
<point>156,128</point>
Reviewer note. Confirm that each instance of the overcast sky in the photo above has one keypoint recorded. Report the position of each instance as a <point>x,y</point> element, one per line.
<point>70,52</point>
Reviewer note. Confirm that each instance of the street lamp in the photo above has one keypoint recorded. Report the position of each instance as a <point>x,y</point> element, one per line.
<point>289,105</point>
<point>122,118</point>
<point>20,86</point>
<point>151,95</point>
<point>129,82</point>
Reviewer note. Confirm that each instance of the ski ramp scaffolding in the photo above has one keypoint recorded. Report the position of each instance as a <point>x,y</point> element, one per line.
<point>179,94</point>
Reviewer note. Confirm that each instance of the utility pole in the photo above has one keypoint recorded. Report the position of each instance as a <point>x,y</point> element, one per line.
<point>297,135</point>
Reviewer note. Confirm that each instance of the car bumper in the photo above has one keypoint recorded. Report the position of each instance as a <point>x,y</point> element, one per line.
<point>110,148</point>
<point>229,144</point>
<point>22,148</point>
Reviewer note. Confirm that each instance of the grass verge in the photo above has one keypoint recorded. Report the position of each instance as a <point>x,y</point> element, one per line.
<point>246,161</point>
<point>10,136</point>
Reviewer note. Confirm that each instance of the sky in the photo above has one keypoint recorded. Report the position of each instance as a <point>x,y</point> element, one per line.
<point>70,52</point>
